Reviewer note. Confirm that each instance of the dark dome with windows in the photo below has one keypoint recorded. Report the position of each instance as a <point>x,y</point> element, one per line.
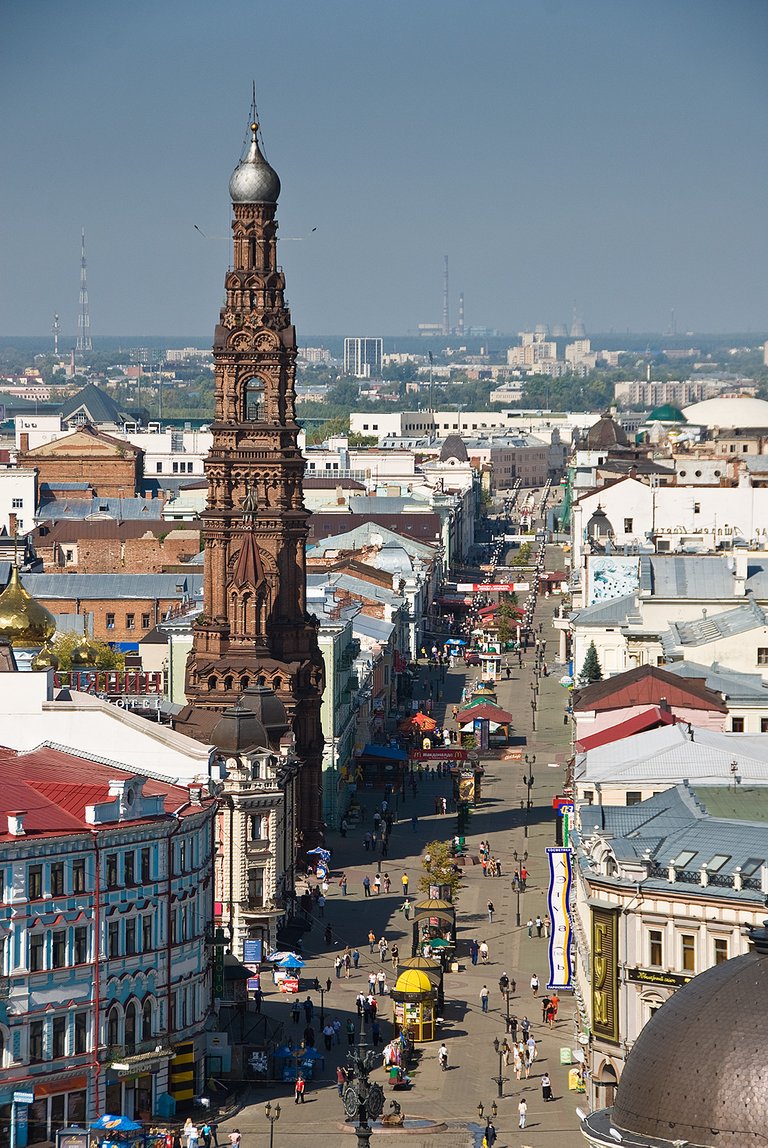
<point>454,447</point>
<point>606,434</point>
<point>696,1074</point>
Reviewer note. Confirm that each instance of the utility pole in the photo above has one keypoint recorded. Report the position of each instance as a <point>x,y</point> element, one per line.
<point>83,319</point>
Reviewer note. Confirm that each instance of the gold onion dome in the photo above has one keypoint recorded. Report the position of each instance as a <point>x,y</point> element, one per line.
<point>45,659</point>
<point>23,621</point>
<point>84,653</point>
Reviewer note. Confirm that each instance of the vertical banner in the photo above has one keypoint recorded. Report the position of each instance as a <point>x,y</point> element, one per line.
<point>558,899</point>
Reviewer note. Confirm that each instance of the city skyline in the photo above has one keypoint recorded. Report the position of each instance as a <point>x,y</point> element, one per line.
<point>604,159</point>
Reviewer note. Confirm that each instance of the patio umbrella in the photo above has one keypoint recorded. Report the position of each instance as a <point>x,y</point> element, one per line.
<point>291,961</point>
<point>116,1124</point>
<point>424,721</point>
<point>276,958</point>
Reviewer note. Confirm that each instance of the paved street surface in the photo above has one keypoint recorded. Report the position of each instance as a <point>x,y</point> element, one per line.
<point>450,1098</point>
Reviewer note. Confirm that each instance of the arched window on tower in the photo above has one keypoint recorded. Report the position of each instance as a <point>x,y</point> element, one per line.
<point>113,1026</point>
<point>130,1025</point>
<point>254,400</point>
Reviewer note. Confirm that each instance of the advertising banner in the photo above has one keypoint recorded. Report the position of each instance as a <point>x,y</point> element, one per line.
<point>560,971</point>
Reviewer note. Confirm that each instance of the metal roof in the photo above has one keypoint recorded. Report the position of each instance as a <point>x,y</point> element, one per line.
<point>743,618</point>
<point>615,612</point>
<point>732,684</point>
<point>674,752</point>
<point>117,586</point>
<point>375,628</point>
<point>94,508</point>
<point>687,576</point>
<point>100,407</point>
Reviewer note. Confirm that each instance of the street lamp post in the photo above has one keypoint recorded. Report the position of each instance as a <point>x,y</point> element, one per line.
<point>493,1115</point>
<point>518,890</point>
<point>528,783</point>
<point>272,1115</point>
<point>319,988</point>
<point>499,1049</point>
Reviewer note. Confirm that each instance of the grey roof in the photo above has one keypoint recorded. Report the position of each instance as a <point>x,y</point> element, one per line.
<point>362,535</point>
<point>732,684</point>
<point>117,508</point>
<point>757,578</point>
<point>375,628</point>
<point>92,586</point>
<point>372,504</point>
<point>667,755</point>
<point>98,405</point>
<point>615,612</point>
<point>677,822</point>
<point>687,576</point>
<point>357,587</point>
<point>745,617</point>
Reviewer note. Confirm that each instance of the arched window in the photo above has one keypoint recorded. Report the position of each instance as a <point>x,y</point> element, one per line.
<point>113,1026</point>
<point>130,1025</point>
<point>146,1020</point>
<point>244,683</point>
<point>229,681</point>
<point>212,682</point>
<point>254,400</point>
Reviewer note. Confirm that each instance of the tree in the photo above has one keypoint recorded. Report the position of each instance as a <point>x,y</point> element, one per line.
<point>105,658</point>
<point>441,869</point>
<point>591,670</point>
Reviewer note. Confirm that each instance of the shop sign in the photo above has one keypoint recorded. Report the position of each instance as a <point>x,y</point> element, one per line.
<point>650,977</point>
<point>605,974</point>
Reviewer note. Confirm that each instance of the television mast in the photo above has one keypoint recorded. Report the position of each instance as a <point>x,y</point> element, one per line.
<point>83,319</point>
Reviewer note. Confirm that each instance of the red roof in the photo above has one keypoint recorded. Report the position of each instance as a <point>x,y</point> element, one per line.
<point>54,788</point>
<point>646,719</point>
<point>647,686</point>
<point>493,713</point>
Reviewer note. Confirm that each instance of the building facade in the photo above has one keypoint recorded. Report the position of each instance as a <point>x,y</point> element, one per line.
<point>362,357</point>
<point>107,897</point>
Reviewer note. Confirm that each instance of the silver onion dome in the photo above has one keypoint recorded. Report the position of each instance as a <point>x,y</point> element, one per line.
<point>253,180</point>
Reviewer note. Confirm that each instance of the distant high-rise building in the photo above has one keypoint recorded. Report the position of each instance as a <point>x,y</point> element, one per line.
<point>362,357</point>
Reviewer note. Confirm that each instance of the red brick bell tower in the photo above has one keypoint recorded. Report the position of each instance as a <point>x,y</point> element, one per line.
<point>255,629</point>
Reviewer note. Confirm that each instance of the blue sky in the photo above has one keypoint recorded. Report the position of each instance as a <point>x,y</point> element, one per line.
<point>603,155</point>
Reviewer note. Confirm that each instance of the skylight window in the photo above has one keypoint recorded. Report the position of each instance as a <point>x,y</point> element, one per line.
<point>684,859</point>
<point>717,862</point>
<point>751,866</point>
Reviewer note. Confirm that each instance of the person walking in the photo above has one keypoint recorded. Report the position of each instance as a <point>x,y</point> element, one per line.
<point>491,911</point>
<point>372,981</point>
<point>394,953</point>
<point>350,1027</point>
<point>381,980</point>
<point>295,1012</point>
<point>546,1087</point>
<point>547,926</point>
<point>503,983</point>
<point>484,952</point>
<point>328,1036</point>
<point>377,884</point>
<point>539,926</point>
<point>383,948</point>
<point>513,1023</point>
<point>341,1079</point>
<point>309,1009</point>
<point>404,881</point>
<point>474,951</point>
<point>525,1028</point>
<point>337,965</point>
<point>371,941</point>
<point>530,926</point>
<point>366,886</point>
<point>522,1111</point>
<point>442,1056</point>
<point>387,883</point>
<point>484,994</point>
<point>535,985</point>
<point>355,957</point>
<point>298,1092</point>
<point>343,884</point>
<point>347,962</point>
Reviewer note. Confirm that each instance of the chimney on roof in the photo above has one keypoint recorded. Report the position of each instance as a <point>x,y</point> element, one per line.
<point>664,705</point>
<point>16,822</point>
<point>195,794</point>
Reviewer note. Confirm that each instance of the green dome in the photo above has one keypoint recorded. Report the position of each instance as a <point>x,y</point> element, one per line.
<point>666,414</point>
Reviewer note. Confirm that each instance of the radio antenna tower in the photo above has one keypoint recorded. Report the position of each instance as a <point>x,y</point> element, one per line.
<point>460,324</point>
<point>83,319</point>
<point>446,316</point>
<point>56,331</point>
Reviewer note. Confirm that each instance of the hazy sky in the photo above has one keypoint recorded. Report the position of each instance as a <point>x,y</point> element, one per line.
<point>607,155</point>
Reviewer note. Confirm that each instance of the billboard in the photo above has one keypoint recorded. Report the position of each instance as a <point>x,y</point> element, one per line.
<point>558,898</point>
<point>605,974</point>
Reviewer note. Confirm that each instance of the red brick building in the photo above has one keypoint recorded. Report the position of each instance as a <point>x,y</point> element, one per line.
<point>110,547</point>
<point>111,466</point>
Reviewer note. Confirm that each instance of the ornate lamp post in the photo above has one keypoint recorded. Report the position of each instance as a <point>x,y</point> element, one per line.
<point>499,1049</point>
<point>518,883</point>
<point>272,1115</point>
<point>493,1115</point>
<point>362,1099</point>
<point>528,783</point>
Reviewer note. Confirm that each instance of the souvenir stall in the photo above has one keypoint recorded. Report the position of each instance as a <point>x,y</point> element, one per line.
<point>285,971</point>
<point>434,929</point>
<point>397,1056</point>
<point>414,1005</point>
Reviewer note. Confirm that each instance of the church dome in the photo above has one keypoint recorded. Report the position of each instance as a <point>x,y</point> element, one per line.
<point>454,447</point>
<point>45,659</point>
<point>84,654</point>
<point>239,731</point>
<point>605,434</point>
<point>23,621</point>
<point>696,1073</point>
<point>254,180</point>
